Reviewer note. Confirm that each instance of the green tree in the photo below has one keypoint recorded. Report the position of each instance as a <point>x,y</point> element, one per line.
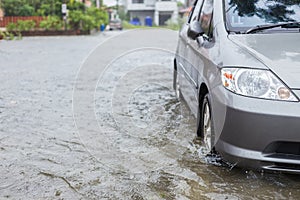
<point>75,17</point>
<point>26,10</point>
<point>31,7</point>
<point>49,7</point>
<point>51,23</point>
<point>92,18</point>
<point>122,14</point>
<point>12,7</point>
<point>75,5</point>
<point>100,16</point>
<point>80,17</point>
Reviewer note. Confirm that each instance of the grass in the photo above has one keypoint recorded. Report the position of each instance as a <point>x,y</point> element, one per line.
<point>172,26</point>
<point>127,25</point>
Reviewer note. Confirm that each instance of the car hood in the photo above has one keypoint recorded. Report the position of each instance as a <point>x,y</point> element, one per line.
<point>279,52</point>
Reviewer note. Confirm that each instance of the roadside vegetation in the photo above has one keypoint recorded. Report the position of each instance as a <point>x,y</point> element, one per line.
<point>169,25</point>
<point>79,17</point>
<point>127,25</point>
<point>175,25</point>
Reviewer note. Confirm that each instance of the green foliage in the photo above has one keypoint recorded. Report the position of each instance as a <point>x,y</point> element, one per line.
<point>48,7</point>
<point>45,10</point>
<point>10,36</point>
<point>19,36</point>
<point>51,23</point>
<point>100,16</point>
<point>26,10</point>
<point>32,7</point>
<point>79,17</point>
<point>1,35</point>
<point>11,7</point>
<point>25,25</point>
<point>127,25</point>
<point>7,35</point>
<point>17,8</point>
<point>93,18</point>
<point>170,24</point>
<point>75,17</point>
<point>88,22</point>
<point>122,14</point>
<point>75,5</point>
<point>95,4</point>
<point>180,4</point>
<point>21,26</point>
<point>11,27</point>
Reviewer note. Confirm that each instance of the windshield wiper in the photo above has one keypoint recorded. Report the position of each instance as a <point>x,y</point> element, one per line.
<point>270,26</point>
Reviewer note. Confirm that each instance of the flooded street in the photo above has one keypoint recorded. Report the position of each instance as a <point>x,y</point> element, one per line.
<point>96,117</point>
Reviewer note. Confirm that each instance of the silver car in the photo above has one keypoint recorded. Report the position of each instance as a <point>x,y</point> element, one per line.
<point>237,66</point>
<point>115,24</point>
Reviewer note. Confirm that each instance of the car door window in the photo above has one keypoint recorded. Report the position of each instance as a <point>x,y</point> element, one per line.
<point>205,18</point>
<point>195,11</point>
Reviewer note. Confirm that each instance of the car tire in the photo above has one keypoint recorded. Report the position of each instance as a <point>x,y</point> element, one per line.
<point>205,124</point>
<point>176,84</point>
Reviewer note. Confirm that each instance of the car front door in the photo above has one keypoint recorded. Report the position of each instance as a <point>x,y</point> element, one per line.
<point>185,59</point>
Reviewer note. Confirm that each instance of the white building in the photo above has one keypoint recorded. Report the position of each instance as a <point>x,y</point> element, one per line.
<point>159,10</point>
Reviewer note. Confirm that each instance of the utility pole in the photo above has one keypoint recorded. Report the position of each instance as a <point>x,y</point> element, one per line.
<point>83,1</point>
<point>52,7</point>
<point>64,14</point>
<point>117,8</point>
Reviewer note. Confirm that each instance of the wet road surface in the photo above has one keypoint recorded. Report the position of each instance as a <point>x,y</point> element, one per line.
<point>95,117</point>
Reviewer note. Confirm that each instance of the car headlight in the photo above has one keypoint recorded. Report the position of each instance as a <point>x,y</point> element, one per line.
<point>256,83</point>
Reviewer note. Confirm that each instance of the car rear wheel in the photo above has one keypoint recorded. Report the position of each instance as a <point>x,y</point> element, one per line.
<point>205,128</point>
<point>177,88</point>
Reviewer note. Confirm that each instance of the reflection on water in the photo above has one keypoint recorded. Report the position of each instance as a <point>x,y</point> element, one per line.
<point>145,148</point>
<point>153,116</point>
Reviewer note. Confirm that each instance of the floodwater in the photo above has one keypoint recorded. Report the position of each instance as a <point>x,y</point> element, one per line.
<point>116,133</point>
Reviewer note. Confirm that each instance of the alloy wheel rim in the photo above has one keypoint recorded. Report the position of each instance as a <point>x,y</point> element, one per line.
<point>177,88</point>
<point>207,127</point>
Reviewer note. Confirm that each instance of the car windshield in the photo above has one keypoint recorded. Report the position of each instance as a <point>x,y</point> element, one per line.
<point>243,15</point>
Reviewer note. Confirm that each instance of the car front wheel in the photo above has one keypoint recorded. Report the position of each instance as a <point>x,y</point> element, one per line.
<point>205,128</point>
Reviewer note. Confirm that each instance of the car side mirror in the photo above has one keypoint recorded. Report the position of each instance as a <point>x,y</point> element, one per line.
<point>194,30</point>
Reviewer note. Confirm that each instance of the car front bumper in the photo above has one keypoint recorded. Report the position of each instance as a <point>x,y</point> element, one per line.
<point>115,26</point>
<point>262,134</point>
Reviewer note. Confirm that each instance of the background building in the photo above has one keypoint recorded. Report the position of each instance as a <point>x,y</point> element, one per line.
<point>158,10</point>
